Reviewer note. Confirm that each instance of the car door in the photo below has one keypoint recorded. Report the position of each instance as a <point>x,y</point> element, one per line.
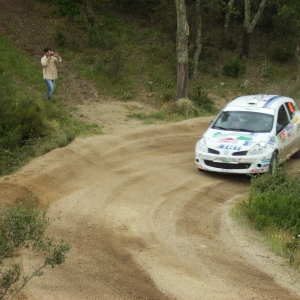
<point>284,131</point>
<point>293,127</point>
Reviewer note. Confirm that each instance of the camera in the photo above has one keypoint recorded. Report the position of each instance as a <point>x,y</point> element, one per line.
<point>52,53</point>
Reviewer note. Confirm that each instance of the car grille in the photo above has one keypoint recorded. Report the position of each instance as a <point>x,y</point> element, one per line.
<point>226,165</point>
<point>240,153</point>
<point>213,151</point>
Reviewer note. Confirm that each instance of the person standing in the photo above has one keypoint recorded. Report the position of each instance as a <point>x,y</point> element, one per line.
<point>49,61</point>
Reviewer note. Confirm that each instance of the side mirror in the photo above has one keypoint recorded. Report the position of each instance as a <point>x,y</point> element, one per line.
<point>211,122</point>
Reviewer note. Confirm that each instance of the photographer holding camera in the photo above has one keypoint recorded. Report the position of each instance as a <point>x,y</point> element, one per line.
<point>49,61</point>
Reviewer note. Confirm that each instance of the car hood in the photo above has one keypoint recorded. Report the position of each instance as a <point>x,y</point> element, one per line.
<point>234,140</point>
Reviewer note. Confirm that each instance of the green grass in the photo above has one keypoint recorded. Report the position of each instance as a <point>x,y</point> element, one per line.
<point>29,125</point>
<point>148,118</point>
<point>22,68</point>
<point>273,208</point>
<point>118,60</point>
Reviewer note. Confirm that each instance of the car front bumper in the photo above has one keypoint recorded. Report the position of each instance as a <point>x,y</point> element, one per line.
<point>233,164</point>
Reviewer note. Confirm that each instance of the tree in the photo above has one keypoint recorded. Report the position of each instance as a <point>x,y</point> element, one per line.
<point>89,11</point>
<point>71,8</point>
<point>249,26</point>
<point>24,226</point>
<point>290,10</point>
<point>198,40</point>
<point>228,15</point>
<point>182,50</point>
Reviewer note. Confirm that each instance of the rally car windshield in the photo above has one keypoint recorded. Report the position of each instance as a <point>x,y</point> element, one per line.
<point>244,121</point>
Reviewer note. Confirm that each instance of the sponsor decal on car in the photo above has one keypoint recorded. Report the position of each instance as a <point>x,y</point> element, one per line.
<point>245,137</point>
<point>296,123</point>
<point>272,141</point>
<point>247,143</point>
<point>229,147</point>
<point>290,126</point>
<point>270,101</point>
<point>282,135</point>
<point>233,139</point>
<point>228,140</point>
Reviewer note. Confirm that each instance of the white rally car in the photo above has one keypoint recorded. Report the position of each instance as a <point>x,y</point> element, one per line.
<point>251,135</point>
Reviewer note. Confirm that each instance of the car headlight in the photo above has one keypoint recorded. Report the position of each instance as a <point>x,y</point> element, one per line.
<point>258,148</point>
<point>201,145</point>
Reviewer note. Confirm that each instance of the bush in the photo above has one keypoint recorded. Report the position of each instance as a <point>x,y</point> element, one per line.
<point>234,68</point>
<point>60,39</point>
<point>24,226</point>
<point>25,122</point>
<point>282,52</point>
<point>21,120</point>
<point>274,202</point>
<point>202,100</point>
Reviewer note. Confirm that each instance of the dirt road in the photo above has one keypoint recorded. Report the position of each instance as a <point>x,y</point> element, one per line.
<point>144,223</point>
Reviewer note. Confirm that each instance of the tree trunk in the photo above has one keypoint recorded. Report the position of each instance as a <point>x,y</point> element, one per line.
<point>245,43</point>
<point>198,41</point>
<point>89,12</point>
<point>182,81</point>
<point>181,50</point>
<point>249,27</point>
<point>228,15</point>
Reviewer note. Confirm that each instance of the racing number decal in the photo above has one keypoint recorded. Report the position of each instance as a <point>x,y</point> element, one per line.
<point>291,107</point>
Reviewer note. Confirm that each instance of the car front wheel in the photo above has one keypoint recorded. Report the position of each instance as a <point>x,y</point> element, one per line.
<point>273,163</point>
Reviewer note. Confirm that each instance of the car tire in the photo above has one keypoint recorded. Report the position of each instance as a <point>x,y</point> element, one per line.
<point>273,163</point>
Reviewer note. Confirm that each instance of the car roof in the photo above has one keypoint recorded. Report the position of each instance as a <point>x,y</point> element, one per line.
<point>259,101</point>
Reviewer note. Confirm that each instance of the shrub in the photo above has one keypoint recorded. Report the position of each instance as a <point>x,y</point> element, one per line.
<point>21,121</point>
<point>234,68</point>
<point>274,203</point>
<point>24,226</point>
<point>202,100</point>
<point>60,39</point>
<point>115,66</point>
<point>282,52</point>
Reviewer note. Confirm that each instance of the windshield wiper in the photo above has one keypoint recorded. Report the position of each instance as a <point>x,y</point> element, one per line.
<point>220,127</point>
<point>240,129</point>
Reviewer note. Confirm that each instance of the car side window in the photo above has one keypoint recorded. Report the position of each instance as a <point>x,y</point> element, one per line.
<point>283,118</point>
<point>290,108</point>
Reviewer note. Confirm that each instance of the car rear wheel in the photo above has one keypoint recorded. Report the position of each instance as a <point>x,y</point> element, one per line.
<point>296,155</point>
<point>273,163</point>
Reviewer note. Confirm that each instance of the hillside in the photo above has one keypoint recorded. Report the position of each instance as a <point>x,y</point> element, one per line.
<point>27,23</point>
<point>34,25</point>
